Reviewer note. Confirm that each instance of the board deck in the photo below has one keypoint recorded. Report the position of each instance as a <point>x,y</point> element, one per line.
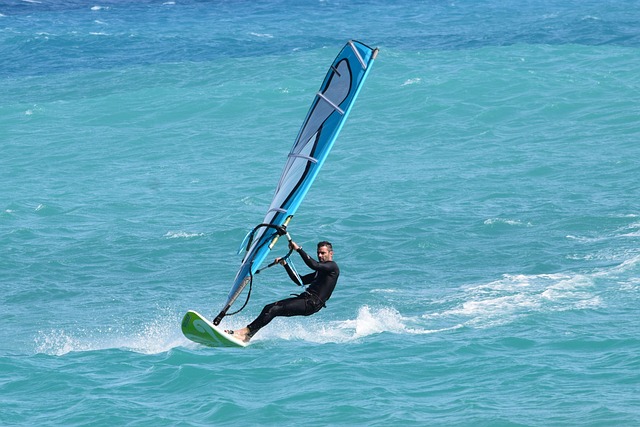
<point>198,329</point>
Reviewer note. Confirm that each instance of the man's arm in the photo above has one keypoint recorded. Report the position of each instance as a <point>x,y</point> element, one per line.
<point>310,262</point>
<point>306,279</point>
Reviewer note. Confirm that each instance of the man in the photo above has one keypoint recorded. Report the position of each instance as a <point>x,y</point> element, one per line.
<point>321,285</point>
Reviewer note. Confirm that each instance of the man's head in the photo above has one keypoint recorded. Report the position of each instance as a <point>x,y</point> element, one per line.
<point>325,251</point>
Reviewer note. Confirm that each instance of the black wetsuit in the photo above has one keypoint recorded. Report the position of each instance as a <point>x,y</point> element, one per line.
<point>321,285</point>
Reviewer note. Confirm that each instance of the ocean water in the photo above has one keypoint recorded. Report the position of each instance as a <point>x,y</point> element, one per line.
<point>483,201</point>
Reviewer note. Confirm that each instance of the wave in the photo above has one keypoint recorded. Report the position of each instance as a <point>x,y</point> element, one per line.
<point>181,235</point>
<point>495,221</point>
<point>369,321</point>
<point>157,335</point>
<point>516,296</point>
<point>163,333</point>
<point>485,305</point>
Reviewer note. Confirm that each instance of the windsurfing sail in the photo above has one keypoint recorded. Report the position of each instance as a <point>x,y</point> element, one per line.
<point>323,123</point>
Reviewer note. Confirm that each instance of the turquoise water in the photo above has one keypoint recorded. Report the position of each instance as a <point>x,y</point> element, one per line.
<point>482,200</point>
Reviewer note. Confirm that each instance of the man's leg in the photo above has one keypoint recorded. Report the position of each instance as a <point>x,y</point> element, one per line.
<point>296,306</point>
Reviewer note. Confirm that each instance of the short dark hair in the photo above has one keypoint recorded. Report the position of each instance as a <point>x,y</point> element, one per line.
<point>325,243</point>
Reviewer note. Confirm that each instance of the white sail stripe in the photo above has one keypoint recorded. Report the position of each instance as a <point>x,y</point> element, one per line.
<point>335,107</point>
<point>355,50</point>
<point>302,156</point>
<point>280,210</point>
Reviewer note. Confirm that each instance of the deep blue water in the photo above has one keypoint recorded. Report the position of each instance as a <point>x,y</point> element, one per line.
<point>482,200</point>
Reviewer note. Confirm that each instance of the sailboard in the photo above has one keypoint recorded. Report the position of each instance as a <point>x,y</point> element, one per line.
<point>324,121</point>
<point>198,329</point>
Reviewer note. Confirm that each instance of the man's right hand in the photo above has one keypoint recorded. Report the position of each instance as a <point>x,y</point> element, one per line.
<point>293,245</point>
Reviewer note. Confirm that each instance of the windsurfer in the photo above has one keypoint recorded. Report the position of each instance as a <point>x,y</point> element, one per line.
<point>321,285</point>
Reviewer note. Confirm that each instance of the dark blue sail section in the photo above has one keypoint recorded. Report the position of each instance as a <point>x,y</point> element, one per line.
<point>318,133</point>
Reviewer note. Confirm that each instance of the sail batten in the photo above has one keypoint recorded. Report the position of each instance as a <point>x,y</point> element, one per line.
<point>277,210</point>
<point>355,51</point>
<point>302,156</point>
<point>335,107</point>
<point>324,120</point>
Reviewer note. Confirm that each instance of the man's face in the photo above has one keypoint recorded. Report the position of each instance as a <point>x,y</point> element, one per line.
<point>324,254</point>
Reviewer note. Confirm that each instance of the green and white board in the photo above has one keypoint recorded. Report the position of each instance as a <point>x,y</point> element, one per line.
<point>198,329</point>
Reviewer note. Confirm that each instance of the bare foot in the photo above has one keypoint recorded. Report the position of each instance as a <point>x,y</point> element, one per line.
<point>241,334</point>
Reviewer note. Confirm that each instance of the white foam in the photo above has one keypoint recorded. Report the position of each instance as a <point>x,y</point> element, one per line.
<point>630,230</point>
<point>182,235</point>
<point>377,321</point>
<point>493,221</point>
<point>368,322</point>
<point>624,266</point>
<point>158,335</point>
<point>262,35</point>
<point>514,296</point>
<point>412,81</point>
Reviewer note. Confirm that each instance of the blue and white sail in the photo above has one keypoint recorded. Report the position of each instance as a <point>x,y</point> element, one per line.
<point>323,123</point>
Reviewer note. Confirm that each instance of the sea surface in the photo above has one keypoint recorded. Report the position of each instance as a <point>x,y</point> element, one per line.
<point>483,201</point>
